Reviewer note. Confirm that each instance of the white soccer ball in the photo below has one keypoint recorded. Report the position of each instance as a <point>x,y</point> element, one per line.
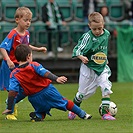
<point>112,109</point>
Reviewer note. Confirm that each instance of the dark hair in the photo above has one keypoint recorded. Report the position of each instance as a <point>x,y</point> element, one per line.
<point>22,51</point>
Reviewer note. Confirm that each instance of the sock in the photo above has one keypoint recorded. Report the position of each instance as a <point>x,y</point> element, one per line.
<point>75,109</point>
<point>105,105</point>
<point>77,102</point>
<point>78,111</point>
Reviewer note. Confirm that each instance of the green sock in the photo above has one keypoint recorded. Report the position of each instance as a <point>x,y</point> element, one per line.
<point>77,102</point>
<point>105,105</point>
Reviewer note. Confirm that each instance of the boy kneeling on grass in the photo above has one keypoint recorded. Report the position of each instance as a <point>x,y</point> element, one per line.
<point>33,80</point>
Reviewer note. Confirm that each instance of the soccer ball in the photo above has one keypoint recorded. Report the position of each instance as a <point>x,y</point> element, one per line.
<point>112,109</point>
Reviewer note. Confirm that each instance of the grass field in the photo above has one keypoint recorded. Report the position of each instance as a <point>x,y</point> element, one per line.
<point>59,122</point>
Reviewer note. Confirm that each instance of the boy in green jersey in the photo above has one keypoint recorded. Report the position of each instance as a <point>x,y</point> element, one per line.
<point>94,71</point>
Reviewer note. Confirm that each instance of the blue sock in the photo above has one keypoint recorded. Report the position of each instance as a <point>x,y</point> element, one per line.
<point>78,111</point>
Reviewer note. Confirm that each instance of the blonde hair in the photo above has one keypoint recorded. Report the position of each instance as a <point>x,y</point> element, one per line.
<point>95,17</point>
<point>21,11</point>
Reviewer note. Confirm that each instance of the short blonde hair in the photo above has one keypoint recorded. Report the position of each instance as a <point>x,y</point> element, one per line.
<point>95,17</point>
<point>21,11</point>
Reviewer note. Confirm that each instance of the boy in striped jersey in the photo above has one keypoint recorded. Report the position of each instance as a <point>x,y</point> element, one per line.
<point>94,71</point>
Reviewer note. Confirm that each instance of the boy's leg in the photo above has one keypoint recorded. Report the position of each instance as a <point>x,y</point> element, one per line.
<point>87,85</point>
<point>77,111</point>
<point>105,85</point>
<point>105,109</point>
<point>77,101</point>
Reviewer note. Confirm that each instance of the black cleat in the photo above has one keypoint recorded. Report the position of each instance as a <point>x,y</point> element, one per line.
<point>33,117</point>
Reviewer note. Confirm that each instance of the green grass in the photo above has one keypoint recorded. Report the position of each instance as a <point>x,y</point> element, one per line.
<point>59,122</point>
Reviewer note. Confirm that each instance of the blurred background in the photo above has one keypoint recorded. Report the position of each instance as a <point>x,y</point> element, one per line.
<point>118,15</point>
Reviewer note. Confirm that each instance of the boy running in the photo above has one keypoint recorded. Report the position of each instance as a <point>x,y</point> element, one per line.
<point>94,71</point>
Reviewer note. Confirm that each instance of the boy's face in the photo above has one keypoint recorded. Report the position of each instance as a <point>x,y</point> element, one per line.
<point>24,22</point>
<point>29,58</point>
<point>96,28</point>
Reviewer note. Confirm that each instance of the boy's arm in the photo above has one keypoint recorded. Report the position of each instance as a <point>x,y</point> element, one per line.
<point>82,46</point>
<point>38,49</point>
<point>11,97</point>
<point>53,77</point>
<point>14,87</point>
<point>84,59</point>
<point>4,54</point>
<point>47,74</point>
<point>6,57</point>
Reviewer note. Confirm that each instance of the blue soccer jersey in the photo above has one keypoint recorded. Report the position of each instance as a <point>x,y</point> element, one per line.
<point>12,40</point>
<point>30,78</point>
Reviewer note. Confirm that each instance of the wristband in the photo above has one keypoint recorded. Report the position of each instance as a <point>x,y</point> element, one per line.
<point>10,102</point>
<point>52,76</point>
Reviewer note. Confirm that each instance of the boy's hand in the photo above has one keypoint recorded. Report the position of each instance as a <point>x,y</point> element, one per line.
<point>61,79</point>
<point>43,49</point>
<point>84,59</point>
<point>6,111</point>
<point>10,64</point>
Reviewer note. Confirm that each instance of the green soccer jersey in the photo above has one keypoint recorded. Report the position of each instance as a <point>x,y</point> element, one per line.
<point>95,48</point>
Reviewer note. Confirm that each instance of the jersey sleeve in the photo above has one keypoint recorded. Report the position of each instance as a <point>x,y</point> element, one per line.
<point>8,41</point>
<point>39,69</point>
<point>107,32</point>
<point>82,45</point>
<point>14,84</point>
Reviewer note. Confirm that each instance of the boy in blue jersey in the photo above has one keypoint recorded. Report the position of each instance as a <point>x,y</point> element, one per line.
<point>33,80</point>
<point>94,71</point>
<point>18,35</point>
<point>15,37</point>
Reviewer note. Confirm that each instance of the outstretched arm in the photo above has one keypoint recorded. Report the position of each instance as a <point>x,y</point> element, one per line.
<point>38,49</point>
<point>53,77</point>
<point>11,97</point>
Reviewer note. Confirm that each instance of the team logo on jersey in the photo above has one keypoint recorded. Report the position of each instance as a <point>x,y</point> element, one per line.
<point>99,58</point>
<point>28,38</point>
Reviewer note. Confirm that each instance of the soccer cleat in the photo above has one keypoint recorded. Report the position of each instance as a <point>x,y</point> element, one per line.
<point>10,117</point>
<point>87,116</point>
<point>71,115</point>
<point>108,117</point>
<point>33,117</point>
<point>15,113</point>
